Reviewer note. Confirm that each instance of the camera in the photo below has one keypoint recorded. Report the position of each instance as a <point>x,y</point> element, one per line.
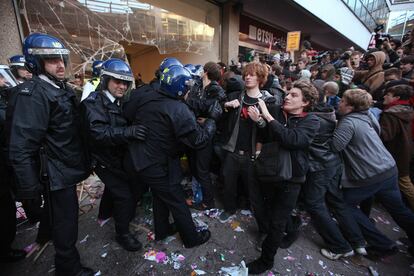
<point>345,56</point>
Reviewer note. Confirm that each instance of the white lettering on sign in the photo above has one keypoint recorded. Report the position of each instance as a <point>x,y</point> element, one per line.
<point>260,34</point>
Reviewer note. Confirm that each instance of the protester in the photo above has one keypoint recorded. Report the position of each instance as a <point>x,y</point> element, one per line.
<point>323,194</point>
<point>212,93</point>
<point>240,134</point>
<point>374,76</point>
<point>331,90</point>
<point>395,125</point>
<point>294,129</point>
<point>407,66</point>
<point>369,170</point>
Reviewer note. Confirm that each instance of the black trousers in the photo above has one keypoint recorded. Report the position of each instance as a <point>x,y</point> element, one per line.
<point>200,169</point>
<point>280,199</point>
<point>8,216</point>
<point>65,230</point>
<point>168,197</point>
<point>241,166</point>
<point>106,206</point>
<point>118,195</point>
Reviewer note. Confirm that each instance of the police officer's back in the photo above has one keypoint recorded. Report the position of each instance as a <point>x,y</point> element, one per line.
<point>170,125</point>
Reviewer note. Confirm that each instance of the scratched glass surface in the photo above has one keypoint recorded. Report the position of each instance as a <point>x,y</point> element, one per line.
<point>96,30</point>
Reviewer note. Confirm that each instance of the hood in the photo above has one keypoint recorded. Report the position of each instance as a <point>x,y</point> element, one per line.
<point>267,97</point>
<point>379,60</point>
<point>367,117</point>
<point>305,75</point>
<point>234,84</point>
<point>403,112</point>
<point>269,82</point>
<point>325,112</point>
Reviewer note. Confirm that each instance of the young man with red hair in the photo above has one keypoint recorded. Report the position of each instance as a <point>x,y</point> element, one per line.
<point>240,138</point>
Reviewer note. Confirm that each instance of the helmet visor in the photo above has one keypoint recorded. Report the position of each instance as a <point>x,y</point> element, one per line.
<point>7,79</point>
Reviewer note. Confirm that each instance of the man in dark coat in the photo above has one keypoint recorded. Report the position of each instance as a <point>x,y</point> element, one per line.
<point>43,135</point>
<point>395,122</point>
<point>156,162</point>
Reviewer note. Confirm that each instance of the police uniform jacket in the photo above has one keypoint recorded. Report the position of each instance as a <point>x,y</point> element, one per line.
<point>105,126</point>
<point>42,114</point>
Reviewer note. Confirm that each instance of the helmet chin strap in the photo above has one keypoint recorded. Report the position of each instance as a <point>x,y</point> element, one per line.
<point>60,83</point>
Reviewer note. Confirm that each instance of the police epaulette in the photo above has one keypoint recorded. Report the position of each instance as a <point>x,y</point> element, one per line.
<point>92,96</point>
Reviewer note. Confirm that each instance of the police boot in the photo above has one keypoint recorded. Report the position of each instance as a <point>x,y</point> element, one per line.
<point>86,271</point>
<point>203,237</point>
<point>128,242</point>
<point>171,231</point>
<point>258,266</point>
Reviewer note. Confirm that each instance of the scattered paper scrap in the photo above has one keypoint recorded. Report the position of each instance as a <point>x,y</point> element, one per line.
<point>322,264</point>
<point>103,255</point>
<point>372,271</point>
<point>84,239</point>
<point>289,258</point>
<point>240,270</point>
<point>246,212</point>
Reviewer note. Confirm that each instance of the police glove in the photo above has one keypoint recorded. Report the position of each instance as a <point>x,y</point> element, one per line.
<point>138,132</point>
<point>215,111</point>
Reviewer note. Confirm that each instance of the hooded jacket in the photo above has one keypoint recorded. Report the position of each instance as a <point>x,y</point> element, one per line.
<point>396,134</point>
<point>294,133</point>
<point>41,114</point>
<point>374,77</point>
<point>366,160</point>
<point>321,156</point>
<point>275,90</point>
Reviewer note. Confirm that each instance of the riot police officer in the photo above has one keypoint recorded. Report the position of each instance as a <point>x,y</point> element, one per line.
<point>167,62</point>
<point>7,204</point>
<point>93,83</point>
<point>156,161</point>
<point>43,135</point>
<point>108,136</point>
<point>18,69</point>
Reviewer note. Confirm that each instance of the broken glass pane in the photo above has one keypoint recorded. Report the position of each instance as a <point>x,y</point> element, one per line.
<point>97,29</point>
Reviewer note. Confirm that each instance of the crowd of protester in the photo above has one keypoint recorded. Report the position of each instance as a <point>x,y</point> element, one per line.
<point>331,133</point>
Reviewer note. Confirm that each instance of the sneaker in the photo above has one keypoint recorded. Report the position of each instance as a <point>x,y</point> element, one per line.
<point>361,251</point>
<point>102,222</point>
<point>334,256</point>
<point>225,217</point>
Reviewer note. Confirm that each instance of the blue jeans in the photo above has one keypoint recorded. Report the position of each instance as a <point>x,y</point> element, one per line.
<point>322,189</point>
<point>388,194</point>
